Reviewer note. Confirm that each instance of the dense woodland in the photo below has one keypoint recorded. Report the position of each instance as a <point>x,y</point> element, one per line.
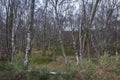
<point>81,29</point>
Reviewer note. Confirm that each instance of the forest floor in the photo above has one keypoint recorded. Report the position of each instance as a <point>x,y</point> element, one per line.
<point>49,63</point>
<point>57,65</point>
<point>105,68</point>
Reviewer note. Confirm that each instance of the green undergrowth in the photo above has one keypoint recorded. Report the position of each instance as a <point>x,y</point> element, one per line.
<point>16,71</point>
<point>107,67</point>
<point>67,52</point>
<point>11,71</point>
<point>40,60</point>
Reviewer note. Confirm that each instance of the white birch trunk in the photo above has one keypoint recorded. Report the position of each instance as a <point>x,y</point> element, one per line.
<point>28,48</point>
<point>60,35</point>
<point>76,57</point>
<point>13,42</point>
<point>62,46</point>
<point>80,41</point>
<point>116,52</point>
<point>74,47</point>
<point>29,35</point>
<point>14,11</point>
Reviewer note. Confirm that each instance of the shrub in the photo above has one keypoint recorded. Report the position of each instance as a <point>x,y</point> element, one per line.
<point>108,62</point>
<point>86,68</point>
<point>39,74</point>
<point>10,71</point>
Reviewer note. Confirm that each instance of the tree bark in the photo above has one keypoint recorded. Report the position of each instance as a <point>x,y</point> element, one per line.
<point>59,27</point>
<point>62,46</point>
<point>9,26</point>
<point>74,47</point>
<point>29,35</point>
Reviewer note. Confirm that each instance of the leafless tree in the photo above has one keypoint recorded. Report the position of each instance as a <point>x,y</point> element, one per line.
<point>29,34</point>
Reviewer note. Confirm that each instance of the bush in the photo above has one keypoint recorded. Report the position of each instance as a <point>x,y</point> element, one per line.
<point>39,74</point>
<point>86,68</point>
<point>108,62</point>
<point>10,71</point>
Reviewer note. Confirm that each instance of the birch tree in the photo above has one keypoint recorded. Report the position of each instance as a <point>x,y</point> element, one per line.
<point>9,26</point>
<point>29,34</point>
<point>72,22</point>
<point>57,6</point>
<point>15,9</point>
<point>86,25</point>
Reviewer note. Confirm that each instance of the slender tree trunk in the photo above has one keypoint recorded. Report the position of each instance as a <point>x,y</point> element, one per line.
<point>107,25</point>
<point>93,44</point>
<point>59,27</point>
<point>62,46</point>
<point>44,40</point>
<point>55,54</point>
<point>1,48</point>
<point>13,33</point>
<point>82,37</point>
<point>13,42</point>
<point>28,48</point>
<point>116,53</point>
<point>88,51</point>
<point>117,30</point>
<point>89,25</point>
<point>29,35</point>
<point>9,26</point>
<point>74,47</point>
<point>80,41</point>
